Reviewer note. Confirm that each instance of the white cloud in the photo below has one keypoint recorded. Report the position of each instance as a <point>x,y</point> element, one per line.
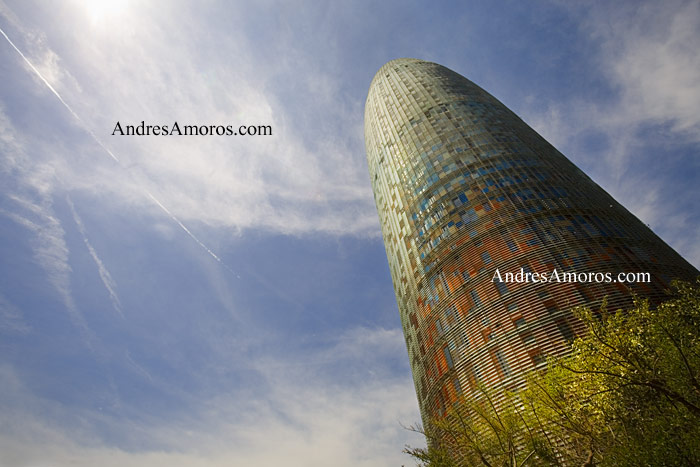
<point>648,54</point>
<point>31,208</point>
<point>649,58</point>
<point>105,276</point>
<point>11,319</point>
<point>654,58</point>
<point>305,420</point>
<point>347,428</point>
<point>34,214</point>
<point>152,66</point>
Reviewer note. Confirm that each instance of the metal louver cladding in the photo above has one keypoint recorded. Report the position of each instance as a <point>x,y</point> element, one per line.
<point>465,191</point>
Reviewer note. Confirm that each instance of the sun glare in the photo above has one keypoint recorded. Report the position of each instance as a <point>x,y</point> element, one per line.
<point>101,11</point>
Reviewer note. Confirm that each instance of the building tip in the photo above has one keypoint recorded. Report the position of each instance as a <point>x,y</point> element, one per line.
<point>405,61</point>
<point>397,61</point>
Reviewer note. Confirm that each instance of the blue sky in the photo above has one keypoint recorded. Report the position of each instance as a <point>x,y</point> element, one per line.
<point>267,333</point>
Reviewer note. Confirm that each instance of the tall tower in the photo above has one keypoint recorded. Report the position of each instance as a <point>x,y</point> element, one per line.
<point>467,192</point>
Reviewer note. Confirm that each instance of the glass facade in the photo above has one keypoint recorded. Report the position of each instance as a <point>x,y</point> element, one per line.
<point>464,188</point>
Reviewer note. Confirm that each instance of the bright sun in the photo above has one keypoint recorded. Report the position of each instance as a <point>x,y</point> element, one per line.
<point>100,11</point>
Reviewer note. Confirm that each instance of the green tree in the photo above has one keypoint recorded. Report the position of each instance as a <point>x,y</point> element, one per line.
<point>491,429</point>
<point>628,394</point>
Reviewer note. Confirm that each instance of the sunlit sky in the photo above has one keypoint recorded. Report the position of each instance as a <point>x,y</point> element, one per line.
<point>192,301</point>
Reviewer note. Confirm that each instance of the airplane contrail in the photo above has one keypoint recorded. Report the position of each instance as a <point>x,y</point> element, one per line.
<point>187,231</point>
<point>51,88</point>
<point>107,150</point>
<point>106,277</point>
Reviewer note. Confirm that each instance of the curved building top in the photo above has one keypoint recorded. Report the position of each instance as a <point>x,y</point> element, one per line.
<point>465,190</point>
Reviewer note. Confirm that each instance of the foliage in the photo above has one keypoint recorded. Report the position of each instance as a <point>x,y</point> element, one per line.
<point>477,433</point>
<point>628,394</point>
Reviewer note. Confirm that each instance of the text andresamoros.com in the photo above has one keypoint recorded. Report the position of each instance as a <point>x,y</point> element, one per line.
<point>177,129</point>
<point>572,277</point>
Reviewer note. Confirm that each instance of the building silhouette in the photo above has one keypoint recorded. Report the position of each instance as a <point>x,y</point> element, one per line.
<point>468,193</point>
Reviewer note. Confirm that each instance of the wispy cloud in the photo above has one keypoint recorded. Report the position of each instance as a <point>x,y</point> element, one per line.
<point>51,253</point>
<point>649,57</point>
<point>358,428</point>
<point>31,207</point>
<point>647,54</point>
<point>305,419</point>
<point>298,180</point>
<point>105,276</point>
<point>97,140</point>
<point>653,56</point>
<point>40,75</point>
<point>11,319</point>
